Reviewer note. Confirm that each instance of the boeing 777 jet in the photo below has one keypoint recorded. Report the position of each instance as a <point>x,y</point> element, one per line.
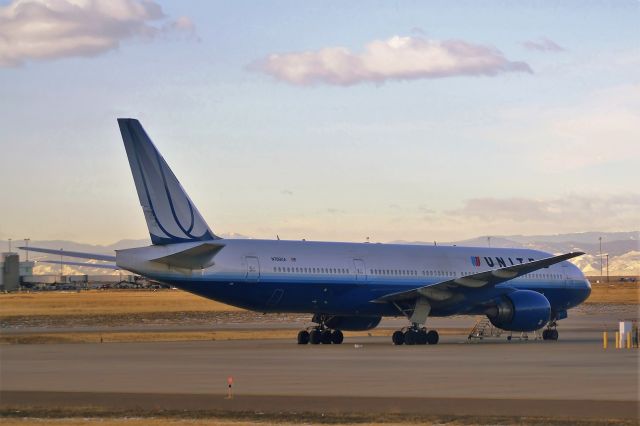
<point>344,286</point>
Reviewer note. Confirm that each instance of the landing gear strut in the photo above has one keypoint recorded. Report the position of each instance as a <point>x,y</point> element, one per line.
<point>414,335</point>
<point>551,332</point>
<point>320,334</point>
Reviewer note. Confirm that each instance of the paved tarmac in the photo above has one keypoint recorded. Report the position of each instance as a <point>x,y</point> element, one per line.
<point>574,374</point>
<point>593,317</point>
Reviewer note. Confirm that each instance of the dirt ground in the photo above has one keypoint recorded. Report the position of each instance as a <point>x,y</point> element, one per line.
<point>401,414</point>
<point>114,421</point>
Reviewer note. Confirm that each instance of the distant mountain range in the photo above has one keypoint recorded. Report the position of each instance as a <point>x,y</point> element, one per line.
<point>623,249</point>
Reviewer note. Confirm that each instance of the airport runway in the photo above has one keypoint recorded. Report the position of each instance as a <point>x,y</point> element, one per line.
<point>571,377</point>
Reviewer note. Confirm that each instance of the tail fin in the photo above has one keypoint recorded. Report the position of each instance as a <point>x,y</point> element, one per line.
<point>171,215</point>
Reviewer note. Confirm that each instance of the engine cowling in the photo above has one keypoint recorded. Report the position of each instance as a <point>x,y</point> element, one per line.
<point>521,310</point>
<point>348,323</point>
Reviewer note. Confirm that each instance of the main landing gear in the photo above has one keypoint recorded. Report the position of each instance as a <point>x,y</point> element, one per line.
<point>551,332</point>
<point>415,335</point>
<point>320,334</point>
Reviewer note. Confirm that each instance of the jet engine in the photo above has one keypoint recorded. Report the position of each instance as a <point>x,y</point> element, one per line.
<point>521,310</point>
<point>348,323</point>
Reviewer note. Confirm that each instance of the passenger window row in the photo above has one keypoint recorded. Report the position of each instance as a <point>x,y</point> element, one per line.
<point>399,272</point>
<point>307,270</point>
<point>395,272</point>
<point>439,273</point>
<point>545,276</point>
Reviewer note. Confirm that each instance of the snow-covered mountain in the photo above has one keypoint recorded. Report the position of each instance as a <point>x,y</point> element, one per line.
<point>623,248</point>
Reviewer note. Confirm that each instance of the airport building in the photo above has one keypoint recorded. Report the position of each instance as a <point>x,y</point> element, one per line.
<point>16,275</point>
<point>12,269</point>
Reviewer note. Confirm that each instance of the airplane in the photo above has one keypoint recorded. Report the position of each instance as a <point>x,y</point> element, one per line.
<point>344,286</point>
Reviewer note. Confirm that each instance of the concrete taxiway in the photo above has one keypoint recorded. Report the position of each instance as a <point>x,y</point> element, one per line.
<point>571,377</point>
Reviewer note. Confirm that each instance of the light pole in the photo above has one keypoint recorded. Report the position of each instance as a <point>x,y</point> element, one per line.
<point>9,245</point>
<point>489,241</point>
<point>600,239</point>
<point>61,275</point>
<point>607,267</point>
<point>26,242</point>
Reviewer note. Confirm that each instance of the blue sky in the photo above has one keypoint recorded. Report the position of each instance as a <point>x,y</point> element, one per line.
<point>390,156</point>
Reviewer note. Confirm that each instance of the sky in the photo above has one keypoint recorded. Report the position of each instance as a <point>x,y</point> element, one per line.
<point>324,120</point>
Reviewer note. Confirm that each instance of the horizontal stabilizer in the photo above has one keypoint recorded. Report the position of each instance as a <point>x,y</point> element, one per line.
<point>443,290</point>
<point>78,254</point>
<point>89,265</point>
<point>197,257</point>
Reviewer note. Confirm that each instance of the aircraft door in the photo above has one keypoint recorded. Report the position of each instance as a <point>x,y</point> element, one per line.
<point>361,272</point>
<point>253,269</point>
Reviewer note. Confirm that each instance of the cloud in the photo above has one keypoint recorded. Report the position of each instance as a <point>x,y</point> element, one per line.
<point>398,58</point>
<point>44,30</point>
<point>542,45</point>
<point>569,213</point>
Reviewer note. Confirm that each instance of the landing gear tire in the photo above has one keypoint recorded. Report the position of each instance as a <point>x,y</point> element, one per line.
<point>422,338</point>
<point>410,337</point>
<point>337,337</point>
<point>397,338</point>
<point>315,337</point>
<point>303,337</point>
<point>432,337</point>
<point>325,337</point>
<point>550,334</point>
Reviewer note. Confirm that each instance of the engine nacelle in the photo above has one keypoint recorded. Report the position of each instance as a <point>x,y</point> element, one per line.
<point>348,323</point>
<point>521,310</point>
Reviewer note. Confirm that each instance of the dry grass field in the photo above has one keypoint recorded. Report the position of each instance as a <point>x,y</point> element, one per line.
<point>615,292</point>
<point>101,302</point>
<point>442,421</point>
<point>122,302</point>
<point>96,416</point>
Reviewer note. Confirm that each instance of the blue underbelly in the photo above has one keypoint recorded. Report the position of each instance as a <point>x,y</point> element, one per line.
<point>351,298</point>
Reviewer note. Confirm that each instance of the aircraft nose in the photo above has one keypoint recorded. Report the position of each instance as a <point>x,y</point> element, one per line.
<point>586,285</point>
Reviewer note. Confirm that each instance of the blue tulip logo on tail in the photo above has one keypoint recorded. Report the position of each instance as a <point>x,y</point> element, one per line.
<point>170,214</point>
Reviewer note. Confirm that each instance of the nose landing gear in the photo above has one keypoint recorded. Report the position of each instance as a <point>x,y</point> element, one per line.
<point>551,332</point>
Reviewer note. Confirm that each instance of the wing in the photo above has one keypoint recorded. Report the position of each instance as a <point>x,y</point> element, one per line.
<point>89,265</point>
<point>444,290</point>
<point>78,254</point>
